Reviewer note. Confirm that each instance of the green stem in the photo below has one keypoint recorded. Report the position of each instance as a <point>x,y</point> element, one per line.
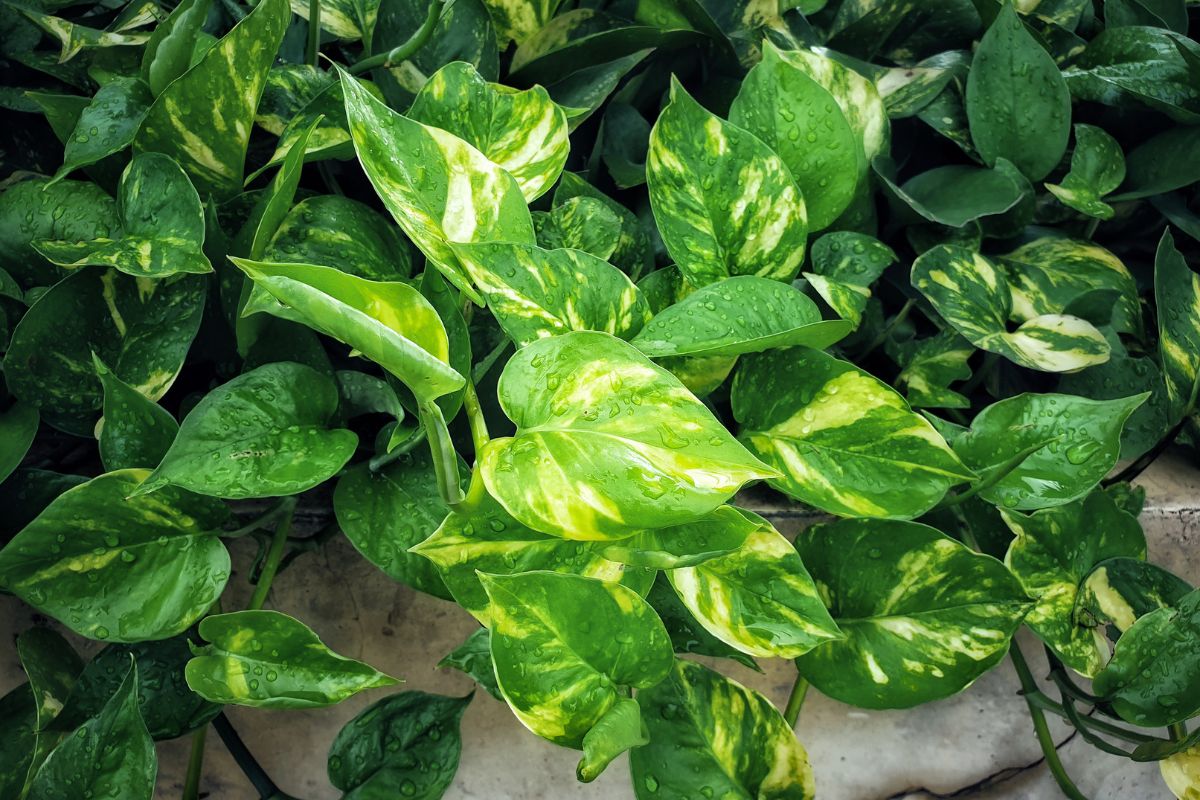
<point>445,459</point>
<point>1046,704</point>
<point>1090,230</point>
<point>901,315</point>
<point>406,50</point>
<point>261,521</point>
<point>795,701</point>
<point>262,783</point>
<point>1178,732</point>
<point>479,430</point>
<point>314,32</point>
<point>995,477</point>
<point>191,783</point>
<point>407,446</point>
<point>274,556</point>
<point>1029,686</point>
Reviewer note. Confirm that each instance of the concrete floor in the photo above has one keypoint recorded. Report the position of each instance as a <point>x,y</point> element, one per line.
<point>981,738</point>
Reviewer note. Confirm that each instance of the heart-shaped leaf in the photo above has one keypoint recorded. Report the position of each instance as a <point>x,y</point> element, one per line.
<point>845,264</point>
<point>134,431</point>
<point>1097,168</point>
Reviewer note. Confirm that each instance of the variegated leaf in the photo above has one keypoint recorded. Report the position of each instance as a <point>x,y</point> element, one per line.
<point>266,659</point>
<point>335,231</point>
<point>345,19</point>
<point>162,226</point>
<point>1120,591</point>
<point>1097,168</point>
<point>520,19</point>
<point>290,87</point>
<point>1055,550</point>
<point>717,534</point>
<point>845,442</point>
<point>203,118</point>
<point>175,40</point>
<point>1080,440</point>
<point>734,316</point>
<point>1181,773</point>
<point>724,202</point>
<point>589,406</point>
<point>930,366</point>
<point>563,645</point>
<point>536,293</point>
<point>37,209</point>
<point>134,431</point>
<point>73,37</point>
<point>620,729</point>
<point>781,104</point>
<point>974,297</point>
<point>389,322</point>
<point>738,744</point>
<point>438,188</point>
<point>107,125</point>
<point>632,253</point>
<point>1177,294</point>
<point>1046,275</point>
<point>580,223</point>
<point>923,615</point>
<point>758,599</point>
<point>485,539</point>
<point>907,90</point>
<point>525,132</point>
<point>845,264</point>
<point>854,94</point>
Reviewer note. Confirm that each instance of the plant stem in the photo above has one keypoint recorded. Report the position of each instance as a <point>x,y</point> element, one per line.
<point>1177,732</point>
<point>445,459</point>
<point>274,556</point>
<point>997,475</point>
<point>258,778</point>
<point>1029,686</point>
<point>191,784</point>
<point>479,430</point>
<point>406,50</point>
<point>1046,704</point>
<point>901,315</point>
<point>1090,230</point>
<point>314,32</point>
<point>261,521</point>
<point>407,446</point>
<point>791,712</point>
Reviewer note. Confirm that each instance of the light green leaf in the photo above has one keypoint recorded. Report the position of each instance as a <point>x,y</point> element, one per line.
<point>688,635</point>
<point>203,118</point>
<point>974,297</point>
<point>738,743</point>
<point>588,406</point>
<point>846,442</point>
<point>845,264</point>
<point>1081,441</point>
<point>439,188</point>
<point>266,659</point>
<point>520,19</point>
<point>335,231</point>
<point>111,755</point>
<point>162,226</point>
<point>18,427</point>
<point>141,329</point>
<point>390,323</point>
<point>108,124</point>
<point>1055,550</point>
<point>758,599</point>
<point>580,223</point>
<point>720,533</point>
<point>37,209</point>
<point>620,729</point>
<point>1097,168</point>
<point>345,19</point>
<point>561,676</point>
<point>95,554</point>
<point>724,202</point>
<point>734,316</point>
<point>1177,294</point>
<point>1120,591</point>
<point>168,53</point>
<point>923,615</point>
<point>486,539</point>
<point>930,366</point>
<point>134,431</point>
<point>781,104</point>
<point>525,132</point>
<point>406,745</point>
<point>263,434</point>
<point>537,293</point>
<point>1181,772</point>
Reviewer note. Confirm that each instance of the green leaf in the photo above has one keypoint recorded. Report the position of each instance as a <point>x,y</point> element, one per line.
<point>203,118</point>
<point>474,657</point>
<point>923,615</point>
<point>263,434</point>
<point>560,677</point>
<point>111,755</point>
<point>52,666</point>
<point>168,53</point>
<point>385,513</point>
<point>74,38</point>
<point>930,366</point>
<point>390,323</point>
<point>974,297</point>
<point>439,188</point>
<point>1097,168</point>
<point>1046,275</point>
<point>1177,294</point>
<point>537,293</point>
<point>1018,103</point>
<point>37,209</point>
<point>580,223</point>
<point>406,745</point>
<point>1120,591</point>
<point>1080,438</point>
<point>330,139</point>
<point>1055,550</point>
<point>1123,376</point>
<point>955,195</point>
<point>290,89</point>
<point>844,265</point>
<point>18,745</point>
<point>632,253</point>
<point>486,539</point>
<point>724,202</point>
<point>758,599</point>
<point>739,315</point>
<point>96,553</point>
<point>525,132</point>
<point>18,427</point>
<point>162,226</point>
<point>781,104</point>
<point>520,19</point>
<point>335,231</point>
<point>266,659</point>
<point>345,19</point>
<point>1153,678</point>
<point>134,431</point>
<point>620,729</point>
<point>688,635</point>
<point>1131,66</point>
<point>108,124</point>
<point>720,533</point>
<point>738,745</point>
<point>845,442</point>
<point>588,406</point>
<point>1163,163</point>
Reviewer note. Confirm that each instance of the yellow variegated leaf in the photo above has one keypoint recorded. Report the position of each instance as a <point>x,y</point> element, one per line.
<point>1181,773</point>
<point>1177,293</point>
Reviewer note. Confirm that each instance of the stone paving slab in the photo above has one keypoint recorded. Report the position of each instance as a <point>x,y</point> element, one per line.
<point>978,744</point>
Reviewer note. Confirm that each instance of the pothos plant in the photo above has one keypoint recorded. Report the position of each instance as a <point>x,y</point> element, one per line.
<point>535,288</point>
